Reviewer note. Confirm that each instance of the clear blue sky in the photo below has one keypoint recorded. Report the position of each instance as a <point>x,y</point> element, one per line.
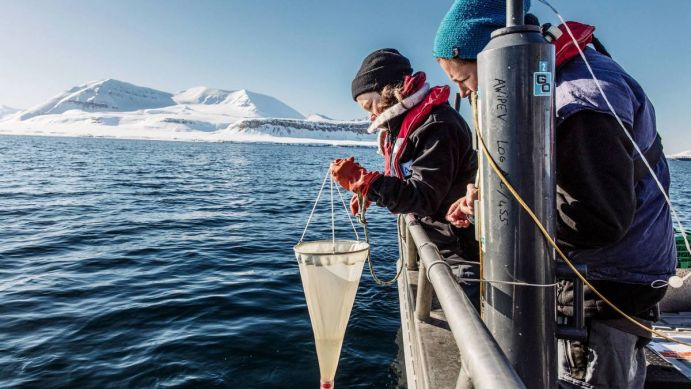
<point>302,52</point>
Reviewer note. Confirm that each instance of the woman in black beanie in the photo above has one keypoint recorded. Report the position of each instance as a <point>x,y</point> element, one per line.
<point>428,155</point>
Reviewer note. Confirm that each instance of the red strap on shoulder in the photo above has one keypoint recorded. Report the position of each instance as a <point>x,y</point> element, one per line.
<point>412,83</point>
<point>418,114</point>
<point>388,149</point>
<point>565,47</point>
<point>436,96</point>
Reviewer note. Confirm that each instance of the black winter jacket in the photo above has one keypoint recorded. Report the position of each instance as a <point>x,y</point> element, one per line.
<point>443,163</point>
<point>597,208</point>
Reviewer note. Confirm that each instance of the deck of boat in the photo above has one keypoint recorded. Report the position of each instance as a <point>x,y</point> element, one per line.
<point>431,355</point>
<point>432,359</point>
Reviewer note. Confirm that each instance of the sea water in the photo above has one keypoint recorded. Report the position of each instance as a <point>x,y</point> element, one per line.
<point>137,264</point>
<point>132,264</point>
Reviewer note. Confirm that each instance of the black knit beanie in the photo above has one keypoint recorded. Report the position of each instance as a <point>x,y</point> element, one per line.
<point>379,69</point>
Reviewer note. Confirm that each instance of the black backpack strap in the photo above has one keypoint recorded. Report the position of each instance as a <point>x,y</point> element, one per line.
<point>652,155</point>
<point>600,47</point>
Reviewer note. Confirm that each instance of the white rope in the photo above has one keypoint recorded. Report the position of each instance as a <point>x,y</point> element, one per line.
<point>460,278</point>
<point>350,219</point>
<point>315,204</point>
<point>660,283</point>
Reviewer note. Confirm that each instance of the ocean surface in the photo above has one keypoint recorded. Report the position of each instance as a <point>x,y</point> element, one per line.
<point>131,264</point>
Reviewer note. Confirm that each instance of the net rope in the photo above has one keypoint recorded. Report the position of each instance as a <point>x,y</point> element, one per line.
<point>360,217</point>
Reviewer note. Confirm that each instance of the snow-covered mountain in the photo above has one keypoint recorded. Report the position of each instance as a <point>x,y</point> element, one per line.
<point>201,95</point>
<point>102,96</point>
<point>300,129</point>
<point>241,103</point>
<point>315,117</point>
<point>6,111</point>
<point>683,156</point>
<point>112,108</point>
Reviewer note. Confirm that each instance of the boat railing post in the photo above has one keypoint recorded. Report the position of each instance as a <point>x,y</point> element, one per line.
<point>402,240</point>
<point>410,249</point>
<point>423,300</point>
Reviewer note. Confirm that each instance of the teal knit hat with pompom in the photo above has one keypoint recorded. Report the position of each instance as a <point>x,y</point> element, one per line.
<point>466,28</point>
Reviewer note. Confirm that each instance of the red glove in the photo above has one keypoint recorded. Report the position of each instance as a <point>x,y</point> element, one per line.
<point>355,207</point>
<point>350,175</point>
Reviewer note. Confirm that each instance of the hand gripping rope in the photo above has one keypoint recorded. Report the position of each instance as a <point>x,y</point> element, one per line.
<point>360,218</point>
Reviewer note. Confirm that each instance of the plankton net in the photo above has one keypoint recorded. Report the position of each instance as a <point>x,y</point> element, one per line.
<point>330,271</point>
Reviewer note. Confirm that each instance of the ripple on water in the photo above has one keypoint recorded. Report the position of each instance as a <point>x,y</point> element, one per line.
<point>163,264</point>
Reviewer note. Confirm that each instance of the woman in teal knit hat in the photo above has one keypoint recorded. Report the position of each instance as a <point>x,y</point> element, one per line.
<point>462,34</point>
<point>466,28</point>
<point>610,213</point>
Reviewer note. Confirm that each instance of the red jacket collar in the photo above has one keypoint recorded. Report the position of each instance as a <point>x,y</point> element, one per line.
<point>412,120</point>
<point>416,115</point>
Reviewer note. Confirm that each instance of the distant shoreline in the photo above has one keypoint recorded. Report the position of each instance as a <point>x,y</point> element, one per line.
<point>192,139</point>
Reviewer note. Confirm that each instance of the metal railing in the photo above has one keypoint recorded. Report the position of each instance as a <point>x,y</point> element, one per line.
<point>484,364</point>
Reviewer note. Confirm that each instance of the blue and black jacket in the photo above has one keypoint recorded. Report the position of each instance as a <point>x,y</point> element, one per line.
<point>612,215</point>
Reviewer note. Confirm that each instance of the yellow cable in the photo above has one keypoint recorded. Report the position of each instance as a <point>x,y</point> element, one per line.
<point>476,125</point>
<point>551,241</point>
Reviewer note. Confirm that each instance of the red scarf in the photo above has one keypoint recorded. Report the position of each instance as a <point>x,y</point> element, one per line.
<point>415,116</point>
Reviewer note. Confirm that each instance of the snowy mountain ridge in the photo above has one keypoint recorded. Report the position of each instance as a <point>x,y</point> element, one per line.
<point>6,111</point>
<point>201,95</point>
<point>683,156</point>
<point>242,102</point>
<point>102,96</point>
<point>112,108</point>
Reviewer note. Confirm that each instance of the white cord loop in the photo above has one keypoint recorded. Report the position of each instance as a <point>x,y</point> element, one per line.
<point>350,219</point>
<point>360,218</point>
<point>309,219</point>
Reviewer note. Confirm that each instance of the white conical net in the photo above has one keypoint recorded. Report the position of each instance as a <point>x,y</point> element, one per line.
<point>330,272</point>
